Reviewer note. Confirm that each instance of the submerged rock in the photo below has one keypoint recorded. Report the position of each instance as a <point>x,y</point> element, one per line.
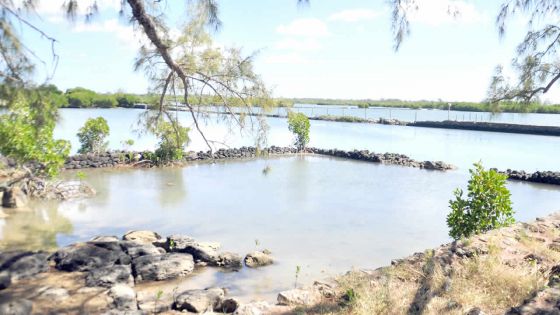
<point>258,259</point>
<point>89,256</point>
<point>199,301</point>
<point>162,267</point>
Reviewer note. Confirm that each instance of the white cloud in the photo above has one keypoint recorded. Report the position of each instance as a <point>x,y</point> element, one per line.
<point>437,12</point>
<point>354,15</point>
<point>304,27</point>
<point>291,58</point>
<point>124,33</point>
<point>298,44</point>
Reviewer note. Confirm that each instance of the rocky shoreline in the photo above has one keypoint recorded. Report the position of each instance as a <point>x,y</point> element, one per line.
<point>106,275</point>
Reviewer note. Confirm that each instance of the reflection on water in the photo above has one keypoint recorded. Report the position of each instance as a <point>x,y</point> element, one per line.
<point>36,228</point>
<point>324,214</point>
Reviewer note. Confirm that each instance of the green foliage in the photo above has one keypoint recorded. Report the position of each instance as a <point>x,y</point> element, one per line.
<point>80,97</point>
<point>80,175</point>
<point>104,101</point>
<point>92,135</point>
<point>488,204</point>
<point>27,135</point>
<point>299,125</point>
<point>126,100</point>
<point>352,119</point>
<point>172,141</point>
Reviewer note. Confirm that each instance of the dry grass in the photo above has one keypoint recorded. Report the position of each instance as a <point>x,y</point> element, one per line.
<point>494,282</point>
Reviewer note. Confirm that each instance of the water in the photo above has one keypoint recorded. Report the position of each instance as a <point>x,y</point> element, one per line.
<point>458,147</point>
<point>324,214</point>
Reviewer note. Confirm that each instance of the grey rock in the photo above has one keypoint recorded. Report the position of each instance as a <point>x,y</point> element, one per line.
<point>475,311</point>
<point>228,260</point>
<point>296,297</point>
<point>135,249</point>
<point>162,267</point>
<point>89,256</point>
<point>105,238</point>
<point>14,198</point>
<point>5,279</point>
<point>227,306</point>
<point>22,264</point>
<point>16,307</point>
<point>109,276</point>
<point>258,259</point>
<point>203,251</point>
<point>124,297</point>
<point>142,236</point>
<point>198,301</point>
<point>254,308</point>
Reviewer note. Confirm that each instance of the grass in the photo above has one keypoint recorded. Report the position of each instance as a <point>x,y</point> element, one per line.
<point>344,118</point>
<point>503,277</point>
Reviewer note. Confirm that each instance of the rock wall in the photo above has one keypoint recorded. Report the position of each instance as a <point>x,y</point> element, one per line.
<point>488,126</point>
<point>119,158</point>
<point>545,177</point>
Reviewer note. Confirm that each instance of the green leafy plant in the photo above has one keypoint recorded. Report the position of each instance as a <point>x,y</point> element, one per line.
<point>487,206</point>
<point>299,125</point>
<point>127,144</point>
<point>266,170</point>
<point>92,135</point>
<point>27,136</point>
<point>298,271</point>
<point>172,140</point>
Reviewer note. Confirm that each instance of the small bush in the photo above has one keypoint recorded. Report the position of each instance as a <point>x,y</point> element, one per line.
<point>299,125</point>
<point>488,204</point>
<point>172,140</point>
<point>92,135</point>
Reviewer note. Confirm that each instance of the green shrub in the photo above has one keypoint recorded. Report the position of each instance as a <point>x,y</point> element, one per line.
<point>299,125</point>
<point>172,140</point>
<point>92,135</point>
<point>27,136</point>
<point>488,204</point>
<point>104,101</point>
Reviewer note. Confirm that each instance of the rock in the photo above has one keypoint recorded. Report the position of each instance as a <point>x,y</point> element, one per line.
<point>198,301</point>
<point>254,308</point>
<point>227,306</point>
<point>5,280</point>
<point>162,267</point>
<point>22,264</point>
<point>475,311</point>
<point>154,303</point>
<point>14,198</point>
<point>124,297</point>
<point>143,236</point>
<point>258,259</point>
<point>135,249</point>
<point>105,238</point>
<point>89,256</point>
<point>296,297</point>
<point>228,260</point>
<point>54,294</point>
<point>109,276</point>
<point>16,307</point>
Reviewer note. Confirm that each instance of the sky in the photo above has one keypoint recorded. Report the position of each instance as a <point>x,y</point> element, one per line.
<point>326,49</point>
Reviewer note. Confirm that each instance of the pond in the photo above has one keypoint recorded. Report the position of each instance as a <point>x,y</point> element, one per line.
<point>324,214</point>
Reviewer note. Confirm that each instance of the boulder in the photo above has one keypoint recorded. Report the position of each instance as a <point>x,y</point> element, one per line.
<point>5,280</point>
<point>105,238</point>
<point>206,252</point>
<point>23,264</point>
<point>135,249</point>
<point>14,197</point>
<point>142,236</point>
<point>124,297</point>
<point>227,306</point>
<point>258,259</point>
<point>162,267</point>
<point>109,276</point>
<point>254,308</point>
<point>228,260</point>
<point>89,256</point>
<point>16,307</point>
<point>199,301</point>
<point>297,297</point>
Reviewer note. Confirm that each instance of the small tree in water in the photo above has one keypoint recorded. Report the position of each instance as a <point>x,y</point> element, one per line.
<point>172,140</point>
<point>299,125</point>
<point>92,135</point>
<point>488,204</point>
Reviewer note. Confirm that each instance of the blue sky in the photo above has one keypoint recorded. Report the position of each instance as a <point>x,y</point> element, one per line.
<point>328,49</point>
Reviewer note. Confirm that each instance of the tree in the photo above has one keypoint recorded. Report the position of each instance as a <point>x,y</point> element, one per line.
<point>488,204</point>
<point>299,125</point>
<point>27,136</point>
<point>172,141</point>
<point>92,135</point>
<point>536,57</point>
